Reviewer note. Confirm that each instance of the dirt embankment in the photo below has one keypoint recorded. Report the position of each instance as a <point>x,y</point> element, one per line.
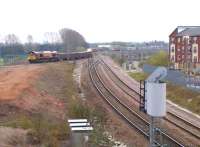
<point>29,93</point>
<point>23,87</point>
<point>15,80</point>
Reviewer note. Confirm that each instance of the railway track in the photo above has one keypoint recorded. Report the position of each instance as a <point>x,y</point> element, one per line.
<point>128,114</point>
<point>171,117</point>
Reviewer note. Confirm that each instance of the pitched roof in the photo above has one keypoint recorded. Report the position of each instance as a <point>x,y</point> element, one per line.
<point>188,31</point>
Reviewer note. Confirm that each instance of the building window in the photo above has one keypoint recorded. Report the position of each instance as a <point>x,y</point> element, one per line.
<point>182,39</point>
<point>183,47</point>
<point>179,57</point>
<point>195,39</point>
<point>172,49</point>
<point>186,39</point>
<point>178,49</point>
<point>172,58</point>
<point>189,50</point>
<point>179,40</point>
<point>172,39</point>
<point>195,58</point>
<point>195,49</point>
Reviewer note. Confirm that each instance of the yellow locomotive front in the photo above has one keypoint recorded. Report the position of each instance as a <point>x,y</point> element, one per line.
<point>32,57</point>
<point>44,56</point>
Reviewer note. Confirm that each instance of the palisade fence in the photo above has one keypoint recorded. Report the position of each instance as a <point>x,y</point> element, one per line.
<point>13,59</point>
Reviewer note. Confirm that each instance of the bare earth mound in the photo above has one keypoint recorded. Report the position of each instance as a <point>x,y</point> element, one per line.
<point>14,80</point>
<point>32,94</point>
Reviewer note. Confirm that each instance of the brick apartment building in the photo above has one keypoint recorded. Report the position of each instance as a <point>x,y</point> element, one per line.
<point>184,48</point>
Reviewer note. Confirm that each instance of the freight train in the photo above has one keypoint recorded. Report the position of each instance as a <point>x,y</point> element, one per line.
<point>53,56</point>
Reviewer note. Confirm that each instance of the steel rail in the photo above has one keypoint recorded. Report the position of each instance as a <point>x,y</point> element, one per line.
<point>167,119</point>
<point>133,95</point>
<point>191,132</point>
<point>104,96</point>
<point>119,77</point>
<point>163,133</point>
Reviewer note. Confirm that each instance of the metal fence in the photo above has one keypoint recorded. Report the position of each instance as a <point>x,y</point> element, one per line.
<point>12,59</point>
<point>177,77</point>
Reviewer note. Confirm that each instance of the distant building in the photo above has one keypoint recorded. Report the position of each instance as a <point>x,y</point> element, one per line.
<point>184,48</point>
<point>104,46</point>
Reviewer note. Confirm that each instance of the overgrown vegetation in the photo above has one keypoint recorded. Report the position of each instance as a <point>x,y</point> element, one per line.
<point>158,59</point>
<point>138,75</point>
<point>57,81</point>
<point>44,128</point>
<point>47,129</point>
<point>97,117</point>
<point>78,109</point>
<point>117,59</point>
<point>184,97</point>
<point>41,130</point>
<point>180,95</point>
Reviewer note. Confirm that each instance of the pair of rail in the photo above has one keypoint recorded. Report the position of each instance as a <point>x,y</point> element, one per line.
<point>132,117</point>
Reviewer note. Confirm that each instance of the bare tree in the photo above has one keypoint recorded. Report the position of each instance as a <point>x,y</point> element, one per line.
<point>11,39</point>
<point>72,40</point>
<point>30,45</point>
<point>30,39</point>
<point>52,37</point>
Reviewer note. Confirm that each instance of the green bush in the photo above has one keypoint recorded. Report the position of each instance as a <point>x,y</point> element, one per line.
<point>138,76</point>
<point>158,59</point>
<point>184,97</point>
<point>22,121</point>
<point>79,110</point>
<point>97,117</point>
<point>41,130</point>
<point>99,138</point>
<point>119,60</point>
<point>1,61</point>
<point>80,49</point>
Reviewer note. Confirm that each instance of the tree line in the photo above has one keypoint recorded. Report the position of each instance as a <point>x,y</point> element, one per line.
<point>67,40</point>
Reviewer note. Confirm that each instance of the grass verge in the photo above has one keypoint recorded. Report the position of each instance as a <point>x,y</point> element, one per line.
<point>138,75</point>
<point>180,95</point>
<point>184,97</point>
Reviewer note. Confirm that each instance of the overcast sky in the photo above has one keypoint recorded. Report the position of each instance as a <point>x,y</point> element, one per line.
<point>98,20</point>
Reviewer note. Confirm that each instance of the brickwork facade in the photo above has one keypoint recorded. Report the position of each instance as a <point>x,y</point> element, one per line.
<point>184,48</point>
